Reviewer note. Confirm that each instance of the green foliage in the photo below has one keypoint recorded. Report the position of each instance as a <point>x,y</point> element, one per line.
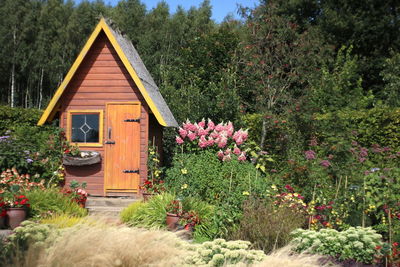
<point>267,226</point>
<point>341,86</point>
<point>220,253</point>
<point>355,243</point>
<point>204,176</point>
<point>391,77</point>
<point>149,214</point>
<point>51,201</point>
<point>205,229</point>
<point>29,148</point>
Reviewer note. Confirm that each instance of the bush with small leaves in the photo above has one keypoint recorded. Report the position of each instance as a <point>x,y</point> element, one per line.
<point>356,243</point>
<point>220,252</point>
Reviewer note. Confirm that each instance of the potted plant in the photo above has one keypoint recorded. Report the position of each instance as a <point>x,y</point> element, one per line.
<point>174,212</point>
<point>189,220</point>
<point>76,192</point>
<point>16,209</point>
<point>3,213</point>
<point>151,187</point>
<point>153,184</point>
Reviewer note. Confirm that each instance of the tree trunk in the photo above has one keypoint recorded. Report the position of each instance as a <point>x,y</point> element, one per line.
<point>12,98</point>
<point>41,89</point>
<point>263,133</point>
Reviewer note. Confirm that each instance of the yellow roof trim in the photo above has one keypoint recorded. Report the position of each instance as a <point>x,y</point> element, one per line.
<point>101,26</point>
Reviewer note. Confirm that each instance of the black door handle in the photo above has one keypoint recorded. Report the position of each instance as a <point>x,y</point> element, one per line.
<point>109,142</point>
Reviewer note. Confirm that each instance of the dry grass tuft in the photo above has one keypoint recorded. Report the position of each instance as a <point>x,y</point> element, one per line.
<point>285,257</point>
<point>84,245</point>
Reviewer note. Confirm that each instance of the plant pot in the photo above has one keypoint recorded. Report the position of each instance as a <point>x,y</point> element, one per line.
<point>15,217</point>
<point>172,221</point>
<point>94,158</point>
<point>147,196</point>
<point>2,222</point>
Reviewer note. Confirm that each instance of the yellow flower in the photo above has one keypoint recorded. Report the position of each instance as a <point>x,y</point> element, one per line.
<point>155,160</point>
<point>184,171</point>
<point>152,153</point>
<point>273,187</point>
<point>245,193</point>
<point>184,186</point>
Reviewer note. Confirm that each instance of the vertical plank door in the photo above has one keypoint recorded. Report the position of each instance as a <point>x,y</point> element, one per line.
<point>122,147</point>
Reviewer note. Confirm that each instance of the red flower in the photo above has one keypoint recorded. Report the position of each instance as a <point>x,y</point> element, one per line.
<point>395,244</point>
<point>378,247</point>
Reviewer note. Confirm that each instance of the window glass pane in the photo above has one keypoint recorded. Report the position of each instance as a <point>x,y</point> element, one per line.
<point>85,128</point>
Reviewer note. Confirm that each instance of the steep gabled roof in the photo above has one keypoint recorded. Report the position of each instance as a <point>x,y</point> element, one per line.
<point>132,62</point>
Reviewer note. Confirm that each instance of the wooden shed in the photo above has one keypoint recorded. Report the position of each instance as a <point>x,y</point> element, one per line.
<point>109,103</point>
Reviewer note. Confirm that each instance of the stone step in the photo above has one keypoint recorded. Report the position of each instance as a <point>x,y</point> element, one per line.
<point>105,211</point>
<point>109,202</point>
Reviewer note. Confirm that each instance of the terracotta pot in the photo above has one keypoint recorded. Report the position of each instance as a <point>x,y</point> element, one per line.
<point>2,222</point>
<point>15,217</point>
<point>147,196</point>
<point>172,221</point>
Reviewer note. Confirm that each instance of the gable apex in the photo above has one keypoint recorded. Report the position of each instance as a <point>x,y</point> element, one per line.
<point>135,67</point>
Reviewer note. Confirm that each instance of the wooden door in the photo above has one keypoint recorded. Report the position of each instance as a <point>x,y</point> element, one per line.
<point>122,147</point>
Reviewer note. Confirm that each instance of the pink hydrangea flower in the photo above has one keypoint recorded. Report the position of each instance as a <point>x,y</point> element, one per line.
<point>228,151</point>
<point>229,129</point>
<point>214,134</point>
<point>183,133</point>
<point>210,141</point>
<point>227,157</point>
<point>219,127</point>
<point>187,125</point>
<point>239,140</point>
<point>222,142</point>
<point>191,136</point>
<point>242,156</point>
<point>203,143</point>
<point>179,140</point>
<point>210,125</point>
<point>202,124</point>
<point>220,155</point>
<point>236,151</point>
<point>202,131</point>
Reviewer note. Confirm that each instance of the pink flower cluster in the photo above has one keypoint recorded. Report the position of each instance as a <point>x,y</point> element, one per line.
<point>210,135</point>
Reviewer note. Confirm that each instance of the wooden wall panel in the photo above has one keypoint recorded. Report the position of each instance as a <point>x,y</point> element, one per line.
<point>102,78</point>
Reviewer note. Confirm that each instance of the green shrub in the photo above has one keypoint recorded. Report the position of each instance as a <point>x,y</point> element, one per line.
<point>152,214</point>
<point>355,243</point>
<point>149,214</point>
<point>220,252</point>
<point>127,213</point>
<point>29,148</point>
<point>51,201</point>
<point>267,226</point>
<point>11,117</point>
<point>204,176</point>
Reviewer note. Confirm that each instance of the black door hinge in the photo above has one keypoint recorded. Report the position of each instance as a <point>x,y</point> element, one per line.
<point>130,171</point>
<point>132,120</point>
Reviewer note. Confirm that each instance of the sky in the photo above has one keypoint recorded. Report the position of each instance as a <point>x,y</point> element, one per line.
<point>220,8</point>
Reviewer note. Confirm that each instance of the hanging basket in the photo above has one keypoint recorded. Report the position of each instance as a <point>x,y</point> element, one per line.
<point>90,158</point>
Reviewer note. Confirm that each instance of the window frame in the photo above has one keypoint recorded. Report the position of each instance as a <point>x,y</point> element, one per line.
<point>85,111</point>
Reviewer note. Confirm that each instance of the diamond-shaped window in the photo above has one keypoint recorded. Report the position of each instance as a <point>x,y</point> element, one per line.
<point>85,128</point>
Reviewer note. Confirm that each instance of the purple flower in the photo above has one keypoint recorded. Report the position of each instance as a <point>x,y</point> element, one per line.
<point>310,154</point>
<point>386,149</point>
<point>29,160</point>
<point>375,169</point>
<point>354,143</point>
<point>313,141</point>
<point>325,163</point>
<point>363,152</point>
<point>4,138</point>
<point>362,159</point>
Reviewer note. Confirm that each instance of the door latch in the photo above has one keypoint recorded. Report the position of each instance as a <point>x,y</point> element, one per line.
<point>109,142</point>
<point>130,171</point>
